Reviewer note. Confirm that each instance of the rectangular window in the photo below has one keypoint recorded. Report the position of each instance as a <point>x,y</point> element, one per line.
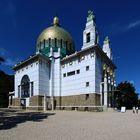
<point>32,88</point>
<point>66,44</point>
<point>64,75</point>
<point>71,73</point>
<point>44,43</point>
<point>87,84</point>
<point>87,68</point>
<point>55,42</point>
<point>18,91</point>
<point>61,43</point>
<point>88,37</point>
<point>49,42</point>
<point>78,71</point>
<point>87,96</point>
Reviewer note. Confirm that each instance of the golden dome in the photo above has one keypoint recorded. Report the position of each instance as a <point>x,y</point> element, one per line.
<point>56,32</point>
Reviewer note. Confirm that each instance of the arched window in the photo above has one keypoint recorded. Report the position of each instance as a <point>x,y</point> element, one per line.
<point>25,86</point>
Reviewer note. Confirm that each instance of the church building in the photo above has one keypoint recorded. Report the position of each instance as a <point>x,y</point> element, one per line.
<point>59,77</point>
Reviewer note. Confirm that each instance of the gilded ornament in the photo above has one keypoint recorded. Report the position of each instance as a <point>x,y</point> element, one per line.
<point>111,72</point>
<point>104,67</point>
<point>108,69</point>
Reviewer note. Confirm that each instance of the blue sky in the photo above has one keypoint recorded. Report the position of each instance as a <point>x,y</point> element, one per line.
<point>21,22</point>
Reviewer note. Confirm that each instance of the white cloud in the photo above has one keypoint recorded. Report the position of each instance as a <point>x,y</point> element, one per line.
<point>9,59</point>
<point>131,81</point>
<point>133,25</point>
<point>10,62</point>
<point>121,27</point>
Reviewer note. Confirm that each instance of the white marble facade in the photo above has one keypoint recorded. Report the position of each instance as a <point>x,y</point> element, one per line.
<point>88,71</point>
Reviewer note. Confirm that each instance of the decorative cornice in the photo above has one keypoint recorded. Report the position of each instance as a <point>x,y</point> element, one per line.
<point>89,49</point>
<point>29,60</point>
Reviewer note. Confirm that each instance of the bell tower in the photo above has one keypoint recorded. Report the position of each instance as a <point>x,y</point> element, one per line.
<point>90,34</point>
<point>106,48</point>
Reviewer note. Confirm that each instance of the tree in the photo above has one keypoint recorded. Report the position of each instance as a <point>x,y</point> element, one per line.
<point>6,85</point>
<point>125,95</point>
<point>139,102</point>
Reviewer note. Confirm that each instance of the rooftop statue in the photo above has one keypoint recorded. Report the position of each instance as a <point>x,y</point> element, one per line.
<point>91,16</point>
<point>107,40</point>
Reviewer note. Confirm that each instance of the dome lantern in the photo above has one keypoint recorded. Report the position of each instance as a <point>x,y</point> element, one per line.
<point>56,21</point>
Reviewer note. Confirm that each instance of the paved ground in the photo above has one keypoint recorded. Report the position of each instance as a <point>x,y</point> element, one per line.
<point>68,125</point>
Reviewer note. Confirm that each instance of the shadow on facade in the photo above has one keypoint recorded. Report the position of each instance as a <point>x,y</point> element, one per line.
<point>11,118</point>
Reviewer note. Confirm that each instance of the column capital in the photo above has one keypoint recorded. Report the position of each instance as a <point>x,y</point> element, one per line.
<point>105,74</point>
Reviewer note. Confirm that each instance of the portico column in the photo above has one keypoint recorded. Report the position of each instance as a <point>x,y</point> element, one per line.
<point>105,91</point>
<point>59,83</point>
<point>112,90</point>
<point>109,91</point>
<point>44,102</point>
<point>30,90</point>
<point>101,93</point>
<point>51,78</point>
<point>20,92</point>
